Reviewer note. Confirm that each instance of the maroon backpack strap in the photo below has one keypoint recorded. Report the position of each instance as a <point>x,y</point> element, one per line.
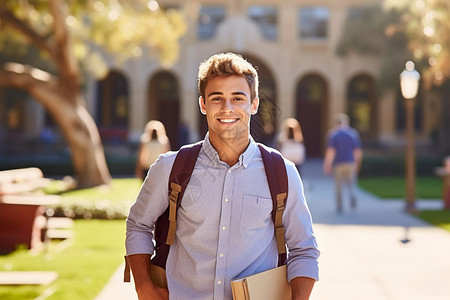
<point>165,226</point>
<point>278,185</point>
<point>179,178</point>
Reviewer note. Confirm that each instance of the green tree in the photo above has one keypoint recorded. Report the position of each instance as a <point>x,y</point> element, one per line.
<point>373,30</point>
<point>401,30</point>
<point>70,34</point>
<point>427,26</point>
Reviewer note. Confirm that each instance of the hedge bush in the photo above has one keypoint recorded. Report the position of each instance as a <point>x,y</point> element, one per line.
<point>395,165</point>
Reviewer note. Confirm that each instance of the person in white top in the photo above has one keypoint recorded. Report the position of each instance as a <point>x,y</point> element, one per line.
<point>153,142</point>
<point>290,142</point>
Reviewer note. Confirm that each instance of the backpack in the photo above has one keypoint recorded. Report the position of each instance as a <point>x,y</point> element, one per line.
<point>180,174</point>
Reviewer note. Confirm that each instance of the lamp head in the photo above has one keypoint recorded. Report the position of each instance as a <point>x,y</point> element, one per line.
<point>409,81</point>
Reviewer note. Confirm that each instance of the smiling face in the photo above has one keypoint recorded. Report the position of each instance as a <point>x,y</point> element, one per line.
<point>228,107</point>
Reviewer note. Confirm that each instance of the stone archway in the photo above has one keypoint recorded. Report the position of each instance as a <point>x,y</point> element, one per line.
<point>311,107</point>
<point>113,107</point>
<point>263,125</point>
<point>362,106</point>
<point>163,104</point>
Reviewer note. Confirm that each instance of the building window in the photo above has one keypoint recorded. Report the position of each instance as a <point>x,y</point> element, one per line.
<point>112,99</point>
<point>313,22</point>
<point>361,105</point>
<point>209,18</point>
<point>312,102</point>
<point>12,109</point>
<point>356,13</point>
<point>266,18</point>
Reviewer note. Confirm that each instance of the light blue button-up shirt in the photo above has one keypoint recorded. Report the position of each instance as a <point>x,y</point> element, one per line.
<point>224,225</point>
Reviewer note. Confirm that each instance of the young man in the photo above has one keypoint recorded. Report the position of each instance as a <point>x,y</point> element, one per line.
<point>224,225</point>
<point>343,156</point>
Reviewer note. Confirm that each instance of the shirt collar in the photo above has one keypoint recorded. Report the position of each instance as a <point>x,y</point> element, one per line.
<point>244,159</point>
<point>249,153</point>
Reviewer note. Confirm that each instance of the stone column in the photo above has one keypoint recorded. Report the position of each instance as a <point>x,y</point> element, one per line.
<point>137,104</point>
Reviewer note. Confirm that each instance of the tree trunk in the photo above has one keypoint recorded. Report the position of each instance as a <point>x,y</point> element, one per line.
<point>60,95</point>
<point>81,134</point>
<point>445,127</point>
<point>72,117</point>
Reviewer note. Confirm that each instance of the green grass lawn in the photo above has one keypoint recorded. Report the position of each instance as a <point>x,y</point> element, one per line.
<point>84,267</point>
<point>103,202</point>
<point>394,187</point>
<point>426,188</point>
<point>95,252</point>
<point>439,218</point>
<point>122,190</point>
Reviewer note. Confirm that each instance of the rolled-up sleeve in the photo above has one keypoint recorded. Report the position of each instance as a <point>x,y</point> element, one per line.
<point>299,234</point>
<point>151,202</point>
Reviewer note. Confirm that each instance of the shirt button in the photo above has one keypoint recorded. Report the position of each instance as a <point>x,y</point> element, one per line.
<point>224,228</point>
<point>227,200</point>
<point>221,255</point>
<point>229,171</point>
<point>219,282</point>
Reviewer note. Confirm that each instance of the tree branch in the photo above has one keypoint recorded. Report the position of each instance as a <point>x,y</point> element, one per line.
<point>9,19</point>
<point>34,81</point>
<point>66,61</point>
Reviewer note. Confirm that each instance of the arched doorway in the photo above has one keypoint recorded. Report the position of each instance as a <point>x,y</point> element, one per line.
<point>12,121</point>
<point>113,107</point>
<point>12,110</point>
<point>263,124</point>
<point>312,100</point>
<point>163,104</point>
<point>362,106</point>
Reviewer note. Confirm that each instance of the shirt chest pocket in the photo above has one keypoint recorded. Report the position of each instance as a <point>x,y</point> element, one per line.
<point>256,211</point>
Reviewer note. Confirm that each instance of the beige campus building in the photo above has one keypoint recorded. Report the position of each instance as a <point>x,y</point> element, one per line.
<point>293,45</point>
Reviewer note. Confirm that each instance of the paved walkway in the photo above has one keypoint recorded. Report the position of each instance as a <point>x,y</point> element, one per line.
<point>377,252</point>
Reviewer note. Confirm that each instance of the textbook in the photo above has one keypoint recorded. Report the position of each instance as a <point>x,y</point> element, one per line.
<point>268,285</point>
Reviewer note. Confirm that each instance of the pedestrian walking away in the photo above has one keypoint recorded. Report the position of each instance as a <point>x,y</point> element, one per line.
<point>343,158</point>
<point>224,225</point>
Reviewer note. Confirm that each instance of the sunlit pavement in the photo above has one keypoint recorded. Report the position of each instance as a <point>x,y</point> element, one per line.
<point>116,289</point>
<point>378,251</point>
<point>375,252</point>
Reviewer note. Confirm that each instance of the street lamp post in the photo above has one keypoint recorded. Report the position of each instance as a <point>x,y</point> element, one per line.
<point>409,83</point>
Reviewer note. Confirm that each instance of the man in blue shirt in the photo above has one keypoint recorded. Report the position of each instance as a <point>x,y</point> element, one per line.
<point>224,225</point>
<point>343,156</point>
